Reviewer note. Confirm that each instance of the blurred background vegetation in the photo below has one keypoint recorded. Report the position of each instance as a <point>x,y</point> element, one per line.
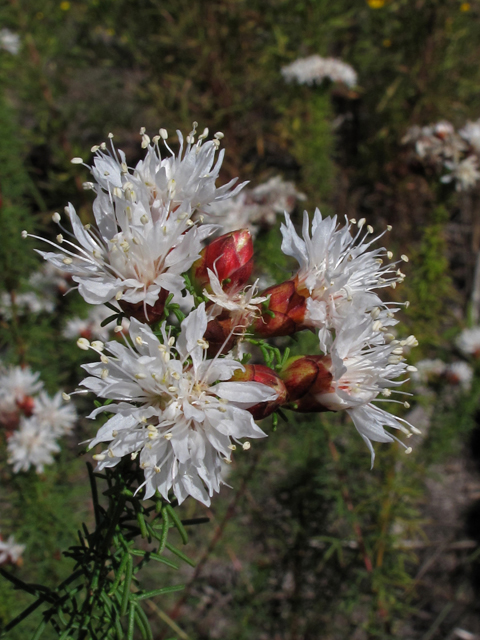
<point>309,543</point>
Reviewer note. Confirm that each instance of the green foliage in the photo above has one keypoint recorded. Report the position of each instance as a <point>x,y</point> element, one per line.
<point>429,289</point>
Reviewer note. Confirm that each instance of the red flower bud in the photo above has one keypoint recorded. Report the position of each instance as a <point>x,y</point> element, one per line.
<point>230,256</point>
<point>283,313</point>
<point>265,375</point>
<point>306,377</point>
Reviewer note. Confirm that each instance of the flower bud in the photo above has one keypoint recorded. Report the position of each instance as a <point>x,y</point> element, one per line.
<point>230,256</point>
<point>305,377</point>
<point>283,313</point>
<point>265,375</point>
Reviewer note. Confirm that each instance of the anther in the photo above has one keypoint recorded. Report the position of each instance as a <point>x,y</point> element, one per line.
<point>99,456</point>
<point>246,445</point>
<point>139,340</point>
<point>83,343</point>
<point>59,238</point>
<point>98,345</point>
<point>66,397</point>
<point>76,161</point>
<point>24,234</point>
<point>404,257</point>
<point>56,217</point>
<point>140,376</point>
<point>163,134</point>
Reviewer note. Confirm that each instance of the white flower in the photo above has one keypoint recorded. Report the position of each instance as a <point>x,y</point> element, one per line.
<point>242,305</point>
<point>257,207</point>
<point>469,341</point>
<point>471,133</point>
<point>315,69</point>
<point>428,370</point>
<point>10,551</point>
<point>28,302</point>
<point>16,384</point>
<point>362,369</point>
<point>91,326</point>
<point>54,414</point>
<point>460,373</point>
<point>31,445</point>
<point>338,270</point>
<point>173,407</point>
<point>465,173</point>
<point>145,237</point>
<point>9,41</point>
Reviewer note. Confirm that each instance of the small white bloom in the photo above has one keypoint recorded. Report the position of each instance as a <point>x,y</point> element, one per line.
<point>314,69</point>
<point>471,133</point>
<point>28,302</point>
<point>428,370</point>
<point>173,407</point>
<point>465,173</point>
<point>460,373</point>
<point>10,551</point>
<point>258,207</point>
<point>16,384</point>
<point>242,305</point>
<point>31,445</point>
<point>469,342</point>
<point>54,414</point>
<point>9,41</point>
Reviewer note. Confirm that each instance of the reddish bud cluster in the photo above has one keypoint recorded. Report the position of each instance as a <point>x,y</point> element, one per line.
<point>284,312</point>
<point>305,378</point>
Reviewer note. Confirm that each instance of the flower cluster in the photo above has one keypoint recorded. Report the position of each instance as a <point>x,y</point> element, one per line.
<point>315,69</point>
<point>441,147</point>
<point>32,420</point>
<point>180,395</point>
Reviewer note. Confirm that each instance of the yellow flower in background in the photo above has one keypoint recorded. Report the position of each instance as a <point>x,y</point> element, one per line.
<point>465,6</point>
<point>387,42</point>
<point>376,4</point>
<point>65,6</point>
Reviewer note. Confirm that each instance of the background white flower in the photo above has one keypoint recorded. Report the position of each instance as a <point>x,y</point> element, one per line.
<point>31,445</point>
<point>315,69</point>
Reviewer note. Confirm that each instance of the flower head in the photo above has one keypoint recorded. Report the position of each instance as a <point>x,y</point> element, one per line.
<point>10,551</point>
<point>359,367</point>
<point>173,407</point>
<point>31,445</point>
<point>338,270</point>
<point>314,69</point>
<point>465,173</point>
<point>54,414</point>
<point>469,342</point>
<point>145,237</point>
<point>17,385</point>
